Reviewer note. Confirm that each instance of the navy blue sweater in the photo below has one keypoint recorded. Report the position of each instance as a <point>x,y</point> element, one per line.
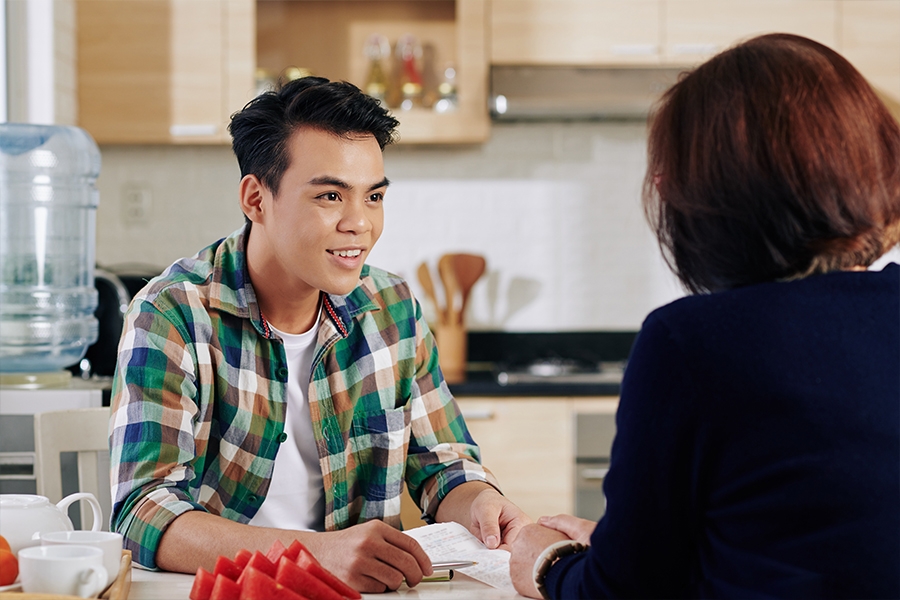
<point>758,449</point>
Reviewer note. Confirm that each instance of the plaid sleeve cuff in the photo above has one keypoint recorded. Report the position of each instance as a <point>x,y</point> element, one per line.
<point>456,473</point>
<point>144,528</point>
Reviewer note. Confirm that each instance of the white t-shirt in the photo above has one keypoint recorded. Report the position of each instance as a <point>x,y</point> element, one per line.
<point>296,498</point>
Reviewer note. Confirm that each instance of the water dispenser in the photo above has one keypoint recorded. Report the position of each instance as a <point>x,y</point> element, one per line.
<point>48,203</point>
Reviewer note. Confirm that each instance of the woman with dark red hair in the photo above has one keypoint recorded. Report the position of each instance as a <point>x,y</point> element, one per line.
<point>758,443</point>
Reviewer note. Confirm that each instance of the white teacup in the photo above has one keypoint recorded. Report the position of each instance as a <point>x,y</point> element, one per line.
<point>108,541</point>
<point>65,570</point>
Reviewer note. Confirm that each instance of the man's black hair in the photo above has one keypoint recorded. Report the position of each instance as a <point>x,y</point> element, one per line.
<point>260,131</point>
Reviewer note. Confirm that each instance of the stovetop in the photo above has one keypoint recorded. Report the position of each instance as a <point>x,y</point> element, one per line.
<point>545,364</point>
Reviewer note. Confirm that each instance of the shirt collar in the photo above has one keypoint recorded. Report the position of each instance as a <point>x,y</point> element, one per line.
<point>232,291</point>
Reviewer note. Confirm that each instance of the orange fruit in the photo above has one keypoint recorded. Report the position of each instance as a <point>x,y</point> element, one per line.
<point>4,545</point>
<point>9,567</point>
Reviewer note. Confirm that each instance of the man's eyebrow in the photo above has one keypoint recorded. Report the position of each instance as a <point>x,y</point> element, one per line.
<point>326,180</point>
<point>383,183</point>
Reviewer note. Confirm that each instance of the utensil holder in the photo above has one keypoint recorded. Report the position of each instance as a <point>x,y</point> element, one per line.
<point>452,351</point>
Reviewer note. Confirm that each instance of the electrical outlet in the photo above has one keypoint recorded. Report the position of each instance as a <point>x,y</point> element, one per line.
<point>136,204</point>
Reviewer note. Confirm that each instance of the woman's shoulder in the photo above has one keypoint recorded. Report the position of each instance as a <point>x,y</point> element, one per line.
<point>817,289</point>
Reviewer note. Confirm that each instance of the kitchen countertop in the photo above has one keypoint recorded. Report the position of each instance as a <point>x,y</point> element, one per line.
<point>150,585</point>
<point>481,383</point>
<point>493,352</point>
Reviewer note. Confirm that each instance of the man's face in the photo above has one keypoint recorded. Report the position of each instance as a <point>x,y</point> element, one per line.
<point>328,214</point>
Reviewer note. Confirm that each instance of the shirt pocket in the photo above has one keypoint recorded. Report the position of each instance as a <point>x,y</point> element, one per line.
<point>378,442</point>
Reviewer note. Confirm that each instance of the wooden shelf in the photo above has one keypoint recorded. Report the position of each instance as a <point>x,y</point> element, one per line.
<point>327,38</point>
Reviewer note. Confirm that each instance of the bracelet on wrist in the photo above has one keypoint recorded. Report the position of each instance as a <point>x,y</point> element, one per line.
<point>549,556</point>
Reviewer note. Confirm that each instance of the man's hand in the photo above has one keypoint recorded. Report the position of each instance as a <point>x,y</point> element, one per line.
<point>371,557</point>
<point>531,541</point>
<point>575,528</point>
<point>483,511</point>
<point>495,520</point>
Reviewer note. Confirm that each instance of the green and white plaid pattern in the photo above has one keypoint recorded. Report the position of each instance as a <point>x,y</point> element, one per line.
<point>199,392</point>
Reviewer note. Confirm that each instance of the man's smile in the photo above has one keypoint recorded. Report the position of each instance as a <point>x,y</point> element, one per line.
<point>352,253</point>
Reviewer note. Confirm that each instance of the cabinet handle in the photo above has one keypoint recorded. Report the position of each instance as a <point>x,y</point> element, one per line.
<point>634,49</point>
<point>698,48</point>
<point>479,414</point>
<point>594,474</point>
<point>192,130</point>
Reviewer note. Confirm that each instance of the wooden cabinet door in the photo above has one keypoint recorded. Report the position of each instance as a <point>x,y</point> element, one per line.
<point>575,32</point>
<point>697,29</point>
<point>870,39</point>
<point>157,71</point>
<point>526,443</point>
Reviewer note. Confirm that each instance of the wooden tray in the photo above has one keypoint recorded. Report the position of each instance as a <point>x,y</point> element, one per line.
<point>117,590</point>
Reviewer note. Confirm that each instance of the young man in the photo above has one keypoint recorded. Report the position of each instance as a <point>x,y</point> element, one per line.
<point>276,387</point>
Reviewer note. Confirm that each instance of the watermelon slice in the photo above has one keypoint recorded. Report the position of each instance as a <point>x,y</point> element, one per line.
<point>225,566</point>
<point>275,552</point>
<point>225,589</point>
<point>303,582</point>
<point>293,551</point>
<point>259,586</point>
<point>308,562</point>
<point>259,561</point>
<point>203,585</point>
<point>242,558</point>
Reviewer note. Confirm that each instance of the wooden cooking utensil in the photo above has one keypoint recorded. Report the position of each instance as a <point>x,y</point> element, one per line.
<point>451,333</point>
<point>451,287</point>
<point>468,269</point>
<point>428,286</point>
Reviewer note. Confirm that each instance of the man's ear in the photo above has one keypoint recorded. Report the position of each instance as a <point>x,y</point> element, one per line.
<point>252,192</point>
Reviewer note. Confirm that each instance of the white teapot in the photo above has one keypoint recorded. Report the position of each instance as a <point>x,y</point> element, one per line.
<point>24,517</point>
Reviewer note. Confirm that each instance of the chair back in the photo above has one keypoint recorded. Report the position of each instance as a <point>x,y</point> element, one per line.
<point>80,430</point>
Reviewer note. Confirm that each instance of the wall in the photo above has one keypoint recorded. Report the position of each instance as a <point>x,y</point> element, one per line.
<point>554,208</point>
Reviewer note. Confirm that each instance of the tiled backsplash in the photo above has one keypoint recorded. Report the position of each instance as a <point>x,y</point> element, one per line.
<point>554,208</point>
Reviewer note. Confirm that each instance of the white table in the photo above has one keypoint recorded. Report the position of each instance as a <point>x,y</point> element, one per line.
<point>148,585</point>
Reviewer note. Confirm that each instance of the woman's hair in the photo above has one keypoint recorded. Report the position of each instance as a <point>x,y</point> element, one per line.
<point>773,160</point>
<point>261,130</point>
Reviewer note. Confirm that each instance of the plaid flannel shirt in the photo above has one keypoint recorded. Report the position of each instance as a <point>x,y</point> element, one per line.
<point>199,402</point>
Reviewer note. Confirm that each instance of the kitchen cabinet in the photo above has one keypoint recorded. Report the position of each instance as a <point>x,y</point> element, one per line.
<point>697,29</point>
<point>328,38</point>
<point>870,39</point>
<point>684,33</point>
<point>173,71</point>
<point>525,442</point>
<point>528,443</point>
<point>576,32</point>
<point>648,32</point>
<point>163,71</point>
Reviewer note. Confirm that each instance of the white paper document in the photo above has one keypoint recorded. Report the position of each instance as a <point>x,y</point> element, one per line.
<point>451,541</point>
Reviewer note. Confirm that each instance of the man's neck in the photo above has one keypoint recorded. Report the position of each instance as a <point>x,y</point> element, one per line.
<point>283,305</point>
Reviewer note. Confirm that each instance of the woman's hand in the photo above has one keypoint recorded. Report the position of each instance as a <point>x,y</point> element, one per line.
<point>574,528</point>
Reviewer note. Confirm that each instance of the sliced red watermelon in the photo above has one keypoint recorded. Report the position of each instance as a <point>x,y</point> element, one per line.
<point>225,566</point>
<point>259,586</point>
<point>303,582</point>
<point>242,558</point>
<point>203,585</point>
<point>275,552</point>
<point>225,589</point>
<point>307,561</point>
<point>293,551</point>
<point>259,561</point>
